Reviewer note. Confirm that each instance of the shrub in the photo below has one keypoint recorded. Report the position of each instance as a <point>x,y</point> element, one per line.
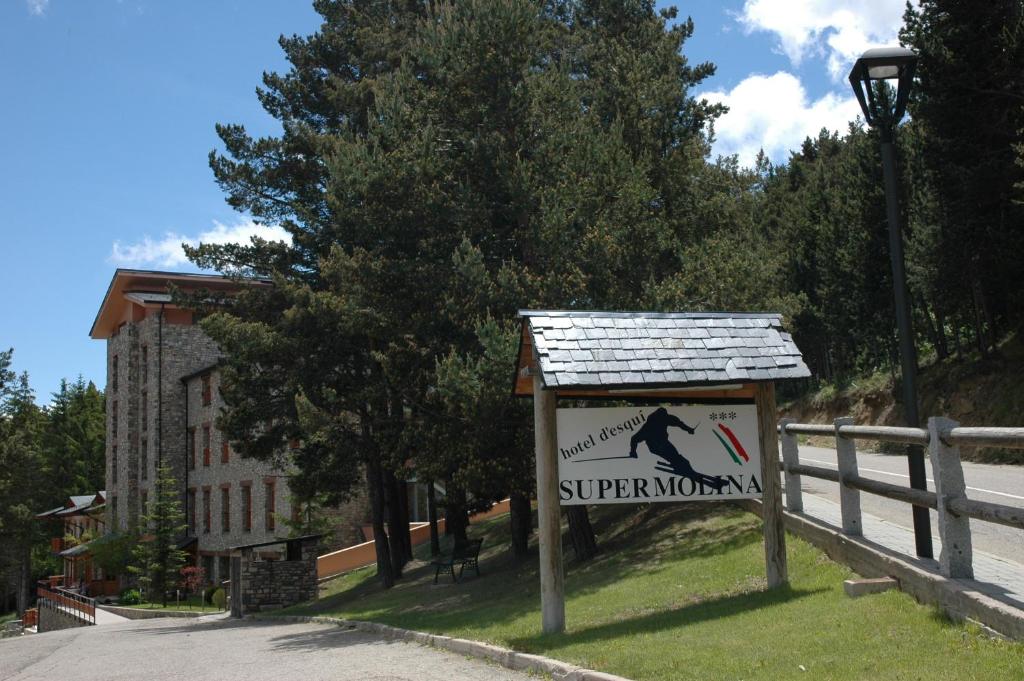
<point>219,599</point>
<point>208,594</point>
<point>130,597</point>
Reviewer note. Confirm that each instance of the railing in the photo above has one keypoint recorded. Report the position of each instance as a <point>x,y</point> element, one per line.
<point>943,438</point>
<point>67,602</point>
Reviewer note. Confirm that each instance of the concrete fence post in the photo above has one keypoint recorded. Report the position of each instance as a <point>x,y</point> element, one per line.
<point>790,458</point>
<point>849,498</point>
<point>955,559</point>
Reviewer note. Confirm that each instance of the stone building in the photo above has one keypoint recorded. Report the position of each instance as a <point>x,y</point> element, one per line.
<point>162,406</point>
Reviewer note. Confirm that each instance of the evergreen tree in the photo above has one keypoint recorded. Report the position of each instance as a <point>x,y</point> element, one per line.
<point>73,443</point>
<point>969,103</point>
<point>21,428</point>
<point>442,164</point>
<point>157,560</point>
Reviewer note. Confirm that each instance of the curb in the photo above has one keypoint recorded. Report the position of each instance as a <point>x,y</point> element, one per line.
<point>139,614</point>
<point>510,659</point>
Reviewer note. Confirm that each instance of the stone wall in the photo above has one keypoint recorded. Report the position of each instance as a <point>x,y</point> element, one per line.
<point>54,619</point>
<point>268,585</point>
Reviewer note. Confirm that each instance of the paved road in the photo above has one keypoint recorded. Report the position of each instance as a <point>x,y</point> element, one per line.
<point>985,482</point>
<point>226,650</point>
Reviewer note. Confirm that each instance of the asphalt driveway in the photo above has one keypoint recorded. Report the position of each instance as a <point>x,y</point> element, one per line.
<point>224,650</point>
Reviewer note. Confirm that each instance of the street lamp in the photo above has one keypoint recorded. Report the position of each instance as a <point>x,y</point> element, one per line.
<point>879,64</point>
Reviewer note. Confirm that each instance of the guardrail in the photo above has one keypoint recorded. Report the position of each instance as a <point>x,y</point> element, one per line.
<point>943,438</point>
<point>68,602</point>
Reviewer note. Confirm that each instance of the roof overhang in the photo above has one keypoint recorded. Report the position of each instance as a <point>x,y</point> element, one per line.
<point>148,288</point>
<point>620,355</point>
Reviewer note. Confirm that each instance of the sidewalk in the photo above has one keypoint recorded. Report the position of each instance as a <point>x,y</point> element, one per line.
<point>997,578</point>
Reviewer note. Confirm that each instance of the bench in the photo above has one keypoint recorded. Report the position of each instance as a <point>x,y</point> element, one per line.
<point>462,555</point>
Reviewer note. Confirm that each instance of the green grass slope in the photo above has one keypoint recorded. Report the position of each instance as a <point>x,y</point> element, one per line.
<point>678,593</point>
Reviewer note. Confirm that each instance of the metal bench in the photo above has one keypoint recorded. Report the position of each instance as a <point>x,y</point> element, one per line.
<point>461,555</point>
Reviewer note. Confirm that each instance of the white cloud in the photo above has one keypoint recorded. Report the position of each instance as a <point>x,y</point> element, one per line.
<point>837,29</point>
<point>167,251</point>
<point>37,7</point>
<point>773,113</point>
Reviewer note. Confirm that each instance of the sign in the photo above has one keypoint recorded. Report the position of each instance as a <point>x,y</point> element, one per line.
<point>628,455</point>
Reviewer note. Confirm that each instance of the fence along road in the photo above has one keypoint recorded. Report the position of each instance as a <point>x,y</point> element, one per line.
<point>959,509</point>
<point>1001,484</point>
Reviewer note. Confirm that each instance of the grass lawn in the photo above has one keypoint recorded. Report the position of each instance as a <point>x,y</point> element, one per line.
<point>8,617</point>
<point>192,603</point>
<point>678,593</point>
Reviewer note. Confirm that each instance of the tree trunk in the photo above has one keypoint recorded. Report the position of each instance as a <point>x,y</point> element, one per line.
<point>456,520</point>
<point>940,326</point>
<point>24,579</point>
<point>405,533</point>
<point>521,517</point>
<point>375,487</point>
<point>584,543</point>
<point>435,541</point>
<point>394,516</point>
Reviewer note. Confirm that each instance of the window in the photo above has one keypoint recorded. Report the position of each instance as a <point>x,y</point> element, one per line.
<point>145,459</point>
<point>206,444</point>
<point>268,505</point>
<point>113,510</point>
<point>191,449</point>
<point>190,511</point>
<point>224,568</point>
<point>247,507</point>
<point>206,510</point>
<point>225,508</point>
<point>145,365</point>
<point>207,392</point>
<point>113,419</point>
<point>113,373</point>
<point>225,449</point>
<point>144,502</point>
<point>113,464</point>
<point>145,411</point>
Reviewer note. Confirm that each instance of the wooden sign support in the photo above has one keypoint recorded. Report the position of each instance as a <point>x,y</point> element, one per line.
<point>774,528</point>
<point>549,512</point>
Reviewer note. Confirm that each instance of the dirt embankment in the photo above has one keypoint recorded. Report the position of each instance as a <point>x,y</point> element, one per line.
<point>974,391</point>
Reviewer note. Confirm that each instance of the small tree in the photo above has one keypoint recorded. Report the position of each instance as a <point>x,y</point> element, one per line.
<point>157,560</point>
<point>193,578</point>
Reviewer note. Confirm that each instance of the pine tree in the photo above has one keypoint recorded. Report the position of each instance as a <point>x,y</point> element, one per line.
<point>157,560</point>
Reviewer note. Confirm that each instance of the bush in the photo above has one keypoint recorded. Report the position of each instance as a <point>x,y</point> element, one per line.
<point>130,597</point>
<point>219,599</point>
<point>208,593</point>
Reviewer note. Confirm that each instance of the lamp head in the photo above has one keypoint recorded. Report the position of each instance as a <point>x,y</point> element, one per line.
<point>883,63</point>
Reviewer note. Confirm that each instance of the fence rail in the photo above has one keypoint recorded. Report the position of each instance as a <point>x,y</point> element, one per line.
<point>943,438</point>
<point>68,602</point>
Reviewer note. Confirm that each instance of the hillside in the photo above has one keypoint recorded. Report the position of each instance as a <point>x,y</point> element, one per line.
<point>973,391</point>
<point>677,593</point>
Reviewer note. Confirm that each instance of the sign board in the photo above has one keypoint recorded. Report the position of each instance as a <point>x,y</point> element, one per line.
<point>628,455</point>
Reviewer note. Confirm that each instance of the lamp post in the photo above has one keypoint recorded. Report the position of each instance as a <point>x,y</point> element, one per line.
<point>896,63</point>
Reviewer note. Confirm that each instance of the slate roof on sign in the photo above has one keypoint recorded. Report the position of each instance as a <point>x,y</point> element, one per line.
<point>658,350</point>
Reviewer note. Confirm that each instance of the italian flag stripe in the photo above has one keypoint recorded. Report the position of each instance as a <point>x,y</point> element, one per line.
<point>728,448</point>
<point>735,442</point>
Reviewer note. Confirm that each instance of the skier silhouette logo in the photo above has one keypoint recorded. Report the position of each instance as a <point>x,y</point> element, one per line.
<point>654,433</point>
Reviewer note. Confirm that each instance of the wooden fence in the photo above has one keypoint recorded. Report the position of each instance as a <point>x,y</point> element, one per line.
<point>943,438</point>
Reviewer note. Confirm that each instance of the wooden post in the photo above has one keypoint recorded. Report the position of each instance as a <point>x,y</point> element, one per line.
<point>956,558</point>
<point>790,458</point>
<point>849,498</point>
<point>549,516</point>
<point>774,527</point>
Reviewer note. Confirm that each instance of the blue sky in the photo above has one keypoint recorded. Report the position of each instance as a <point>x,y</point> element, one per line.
<point>107,113</point>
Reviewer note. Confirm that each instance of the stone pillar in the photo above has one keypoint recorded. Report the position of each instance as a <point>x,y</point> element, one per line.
<point>791,457</point>
<point>956,557</point>
<point>849,498</point>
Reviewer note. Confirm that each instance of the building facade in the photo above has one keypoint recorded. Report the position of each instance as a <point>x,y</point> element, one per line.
<point>162,406</point>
